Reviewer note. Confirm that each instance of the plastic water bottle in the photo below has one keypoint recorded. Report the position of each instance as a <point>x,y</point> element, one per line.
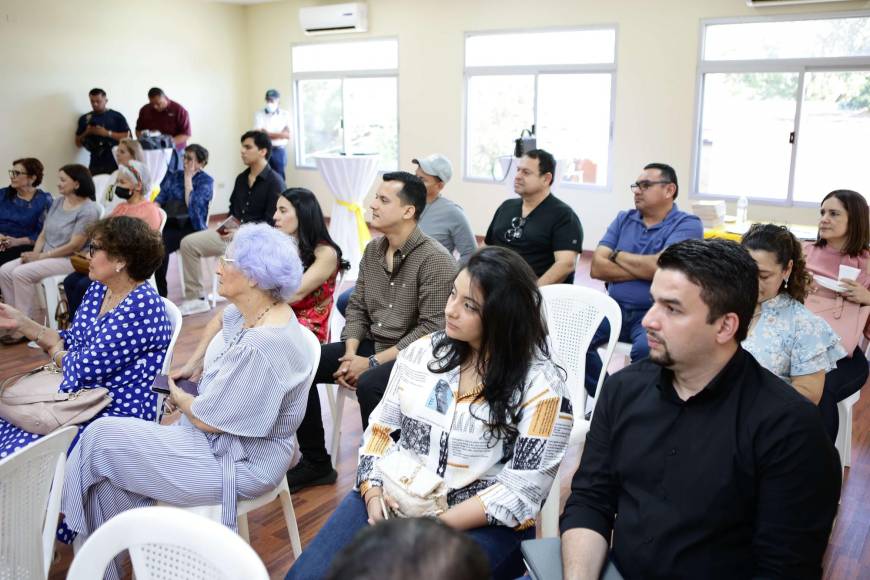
<point>742,210</point>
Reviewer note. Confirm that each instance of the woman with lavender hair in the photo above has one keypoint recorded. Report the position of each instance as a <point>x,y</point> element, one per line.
<point>237,437</point>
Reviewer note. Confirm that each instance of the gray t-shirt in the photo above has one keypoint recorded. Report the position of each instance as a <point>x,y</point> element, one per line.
<point>62,224</point>
<point>445,221</point>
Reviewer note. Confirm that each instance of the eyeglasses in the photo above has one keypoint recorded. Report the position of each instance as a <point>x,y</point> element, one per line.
<point>224,260</point>
<point>13,173</point>
<point>516,230</point>
<point>644,185</point>
<point>94,248</point>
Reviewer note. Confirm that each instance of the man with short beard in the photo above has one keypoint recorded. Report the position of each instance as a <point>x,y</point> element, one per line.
<point>699,462</point>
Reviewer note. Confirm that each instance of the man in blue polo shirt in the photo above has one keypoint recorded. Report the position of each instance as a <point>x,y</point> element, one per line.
<point>99,131</point>
<point>626,256</point>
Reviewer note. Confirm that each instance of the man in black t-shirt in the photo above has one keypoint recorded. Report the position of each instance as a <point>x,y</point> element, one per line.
<point>541,228</point>
<point>99,131</point>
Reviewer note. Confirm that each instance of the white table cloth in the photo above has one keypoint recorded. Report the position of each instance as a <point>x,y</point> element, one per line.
<point>349,178</point>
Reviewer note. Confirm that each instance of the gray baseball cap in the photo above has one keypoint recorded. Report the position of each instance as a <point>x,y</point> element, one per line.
<point>437,165</point>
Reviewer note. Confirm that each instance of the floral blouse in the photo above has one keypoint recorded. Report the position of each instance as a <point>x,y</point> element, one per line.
<point>790,341</point>
<point>510,478</point>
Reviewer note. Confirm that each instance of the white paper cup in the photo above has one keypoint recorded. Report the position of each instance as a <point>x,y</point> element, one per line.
<point>849,273</point>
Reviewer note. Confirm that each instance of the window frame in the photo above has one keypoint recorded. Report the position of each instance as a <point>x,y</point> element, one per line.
<point>800,66</point>
<point>537,71</point>
<point>341,75</point>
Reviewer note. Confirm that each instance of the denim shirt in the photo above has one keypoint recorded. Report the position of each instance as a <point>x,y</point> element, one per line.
<point>172,187</point>
<point>20,218</point>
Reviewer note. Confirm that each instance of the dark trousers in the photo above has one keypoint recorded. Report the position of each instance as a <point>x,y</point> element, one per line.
<point>369,389</point>
<point>13,253</point>
<point>501,544</point>
<point>632,331</point>
<point>172,236</point>
<point>75,286</point>
<point>278,160</point>
<point>845,380</point>
<point>343,299</point>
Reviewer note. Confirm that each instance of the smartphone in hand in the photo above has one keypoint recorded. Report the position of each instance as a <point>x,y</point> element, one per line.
<point>161,385</point>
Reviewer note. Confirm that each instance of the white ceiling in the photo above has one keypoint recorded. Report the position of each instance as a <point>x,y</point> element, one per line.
<point>246,2</point>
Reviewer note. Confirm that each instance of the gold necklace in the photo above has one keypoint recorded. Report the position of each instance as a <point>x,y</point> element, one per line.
<point>110,297</point>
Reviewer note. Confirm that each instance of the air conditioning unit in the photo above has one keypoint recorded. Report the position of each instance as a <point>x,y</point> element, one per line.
<point>764,3</point>
<point>334,18</point>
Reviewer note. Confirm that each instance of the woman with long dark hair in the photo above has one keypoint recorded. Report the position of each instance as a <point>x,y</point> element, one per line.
<point>784,336</point>
<point>298,215</point>
<point>843,240</point>
<point>477,407</point>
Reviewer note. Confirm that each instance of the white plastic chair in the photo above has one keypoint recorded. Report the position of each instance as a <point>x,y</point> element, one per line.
<point>282,491</point>
<point>175,320</point>
<point>573,315</point>
<point>166,542</point>
<point>31,481</point>
<point>843,442</point>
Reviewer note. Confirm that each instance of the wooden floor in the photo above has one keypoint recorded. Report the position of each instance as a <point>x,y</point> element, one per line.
<point>848,555</point>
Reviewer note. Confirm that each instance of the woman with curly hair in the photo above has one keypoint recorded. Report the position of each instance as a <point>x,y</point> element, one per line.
<point>481,406</point>
<point>784,336</point>
<point>94,352</point>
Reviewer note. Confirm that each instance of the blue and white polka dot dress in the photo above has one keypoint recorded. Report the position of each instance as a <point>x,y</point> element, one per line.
<point>123,351</point>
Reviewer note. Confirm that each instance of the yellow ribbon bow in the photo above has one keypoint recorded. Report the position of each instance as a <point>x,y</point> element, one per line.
<point>362,230</point>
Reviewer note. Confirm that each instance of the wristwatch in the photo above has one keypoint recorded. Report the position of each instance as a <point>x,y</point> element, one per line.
<point>613,255</point>
<point>373,362</point>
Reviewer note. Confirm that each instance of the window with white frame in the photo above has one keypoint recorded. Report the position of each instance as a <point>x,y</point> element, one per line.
<point>559,81</point>
<point>784,108</point>
<point>347,100</point>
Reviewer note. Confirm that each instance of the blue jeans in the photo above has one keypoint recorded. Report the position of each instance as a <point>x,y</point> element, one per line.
<point>278,160</point>
<point>343,299</point>
<point>500,544</point>
<point>632,331</point>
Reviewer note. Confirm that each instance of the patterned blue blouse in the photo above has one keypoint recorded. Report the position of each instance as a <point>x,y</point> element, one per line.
<point>19,218</point>
<point>790,341</point>
<point>172,187</point>
<point>122,351</point>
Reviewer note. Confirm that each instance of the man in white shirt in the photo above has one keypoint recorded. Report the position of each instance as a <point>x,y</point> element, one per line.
<point>275,121</point>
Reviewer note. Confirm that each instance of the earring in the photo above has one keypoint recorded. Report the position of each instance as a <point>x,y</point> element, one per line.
<point>786,283</point>
<point>118,269</point>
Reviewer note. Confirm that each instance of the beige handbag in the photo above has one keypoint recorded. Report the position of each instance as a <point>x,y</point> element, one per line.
<point>33,401</point>
<point>418,491</point>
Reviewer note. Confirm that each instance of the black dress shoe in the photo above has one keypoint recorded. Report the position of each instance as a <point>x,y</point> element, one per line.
<point>310,474</point>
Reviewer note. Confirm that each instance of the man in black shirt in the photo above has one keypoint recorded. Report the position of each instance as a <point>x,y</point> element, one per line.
<point>699,462</point>
<point>254,199</point>
<point>541,228</point>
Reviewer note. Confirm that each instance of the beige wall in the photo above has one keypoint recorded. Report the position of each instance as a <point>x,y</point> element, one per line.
<point>52,52</point>
<point>655,87</point>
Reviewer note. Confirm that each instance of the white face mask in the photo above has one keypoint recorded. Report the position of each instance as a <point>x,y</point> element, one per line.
<point>271,106</point>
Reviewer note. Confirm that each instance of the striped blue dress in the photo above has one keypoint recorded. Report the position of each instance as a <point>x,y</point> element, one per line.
<point>255,393</point>
<point>122,351</point>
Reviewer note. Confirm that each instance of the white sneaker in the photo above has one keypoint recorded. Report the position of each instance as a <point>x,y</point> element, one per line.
<point>189,307</point>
